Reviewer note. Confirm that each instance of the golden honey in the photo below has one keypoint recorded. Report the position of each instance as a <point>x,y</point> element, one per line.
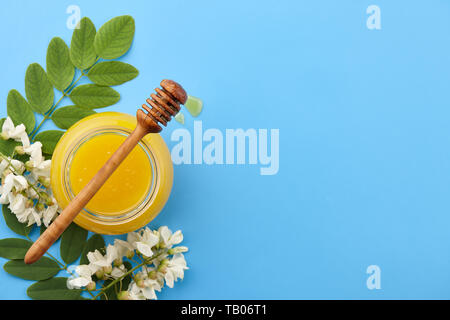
<point>134,194</point>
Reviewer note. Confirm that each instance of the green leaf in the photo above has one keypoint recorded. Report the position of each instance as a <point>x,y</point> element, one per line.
<point>2,121</point>
<point>49,139</point>
<point>112,73</point>
<point>60,69</point>
<point>82,51</point>
<point>53,289</point>
<point>7,146</point>
<point>14,248</point>
<point>94,96</point>
<point>19,110</point>
<point>72,243</point>
<point>42,269</point>
<point>114,38</point>
<point>38,89</point>
<point>65,117</point>
<point>13,223</point>
<point>95,242</point>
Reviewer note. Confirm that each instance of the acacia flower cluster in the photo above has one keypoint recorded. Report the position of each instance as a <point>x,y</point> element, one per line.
<point>156,258</point>
<point>25,185</point>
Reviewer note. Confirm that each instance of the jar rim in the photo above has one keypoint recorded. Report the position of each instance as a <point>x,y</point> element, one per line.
<point>124,215</point>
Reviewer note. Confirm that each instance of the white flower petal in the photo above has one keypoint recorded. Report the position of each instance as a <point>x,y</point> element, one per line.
<point>149,293</point>
<point>169,279</point>
<point>49,214</point>
<point>123,247</point>
<point>8,126</point>
<point>165,233</point>
<point>17,203</point>
<point>77,283</point>
<point>145,249</point>
<point>34,217</point>
<point>97,259</point>
<point>20,183</point>
<point>111,253</point>
<point>176,238</point>
<point>84,270</point>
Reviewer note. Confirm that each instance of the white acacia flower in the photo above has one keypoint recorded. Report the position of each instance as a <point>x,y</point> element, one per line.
<point>150,277</point>
<point>29,216</point>
<point>18,133</point>
<point>18,166</point>
<point>175,269</point>
<point>179,249</point>
<point>22,183</point>
<point>11,181</point>
<point>169,239</point>
<point>49,214</point>
<point>117,272</point>
<point>98,260</point>
<point>85,273</point>
<point>144,288</point>
<point>35,152</point>
<point>17,203</point>
<point>123,248</point>
<point>42,169</point>
<point>3,165</point>
<point>147,240</point>
<point>135,293</point>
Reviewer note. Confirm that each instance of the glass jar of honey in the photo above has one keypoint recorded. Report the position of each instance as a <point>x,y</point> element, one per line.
<point>134,194</point>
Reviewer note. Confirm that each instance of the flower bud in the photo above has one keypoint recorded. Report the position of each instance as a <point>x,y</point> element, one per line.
<point>118,262</point>
<point>40,206</point>
<point>162,269</point>
<point>43,195</point>
<point>91,286</point>
<point>100,274</point>
<point>164,262</point>
<point>107,269</point>
<point>29,165</point>
<point>152,274</point>
<point>163,266</point>
<point>130,254</point>
<point>19,150</point>
<point>140,283</point>
<point>29,203</point>
<point>4,136</point>
<point>123,295</point>
<point>137,277</point>
<point>45,181</point>
<point>176,250</point>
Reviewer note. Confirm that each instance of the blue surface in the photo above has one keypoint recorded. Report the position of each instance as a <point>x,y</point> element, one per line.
<point>364,123</point>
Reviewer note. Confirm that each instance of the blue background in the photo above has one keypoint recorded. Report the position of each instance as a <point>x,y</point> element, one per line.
<point>364,119</point>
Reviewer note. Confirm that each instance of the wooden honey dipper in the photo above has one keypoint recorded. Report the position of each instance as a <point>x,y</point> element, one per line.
<point>165,104</point>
